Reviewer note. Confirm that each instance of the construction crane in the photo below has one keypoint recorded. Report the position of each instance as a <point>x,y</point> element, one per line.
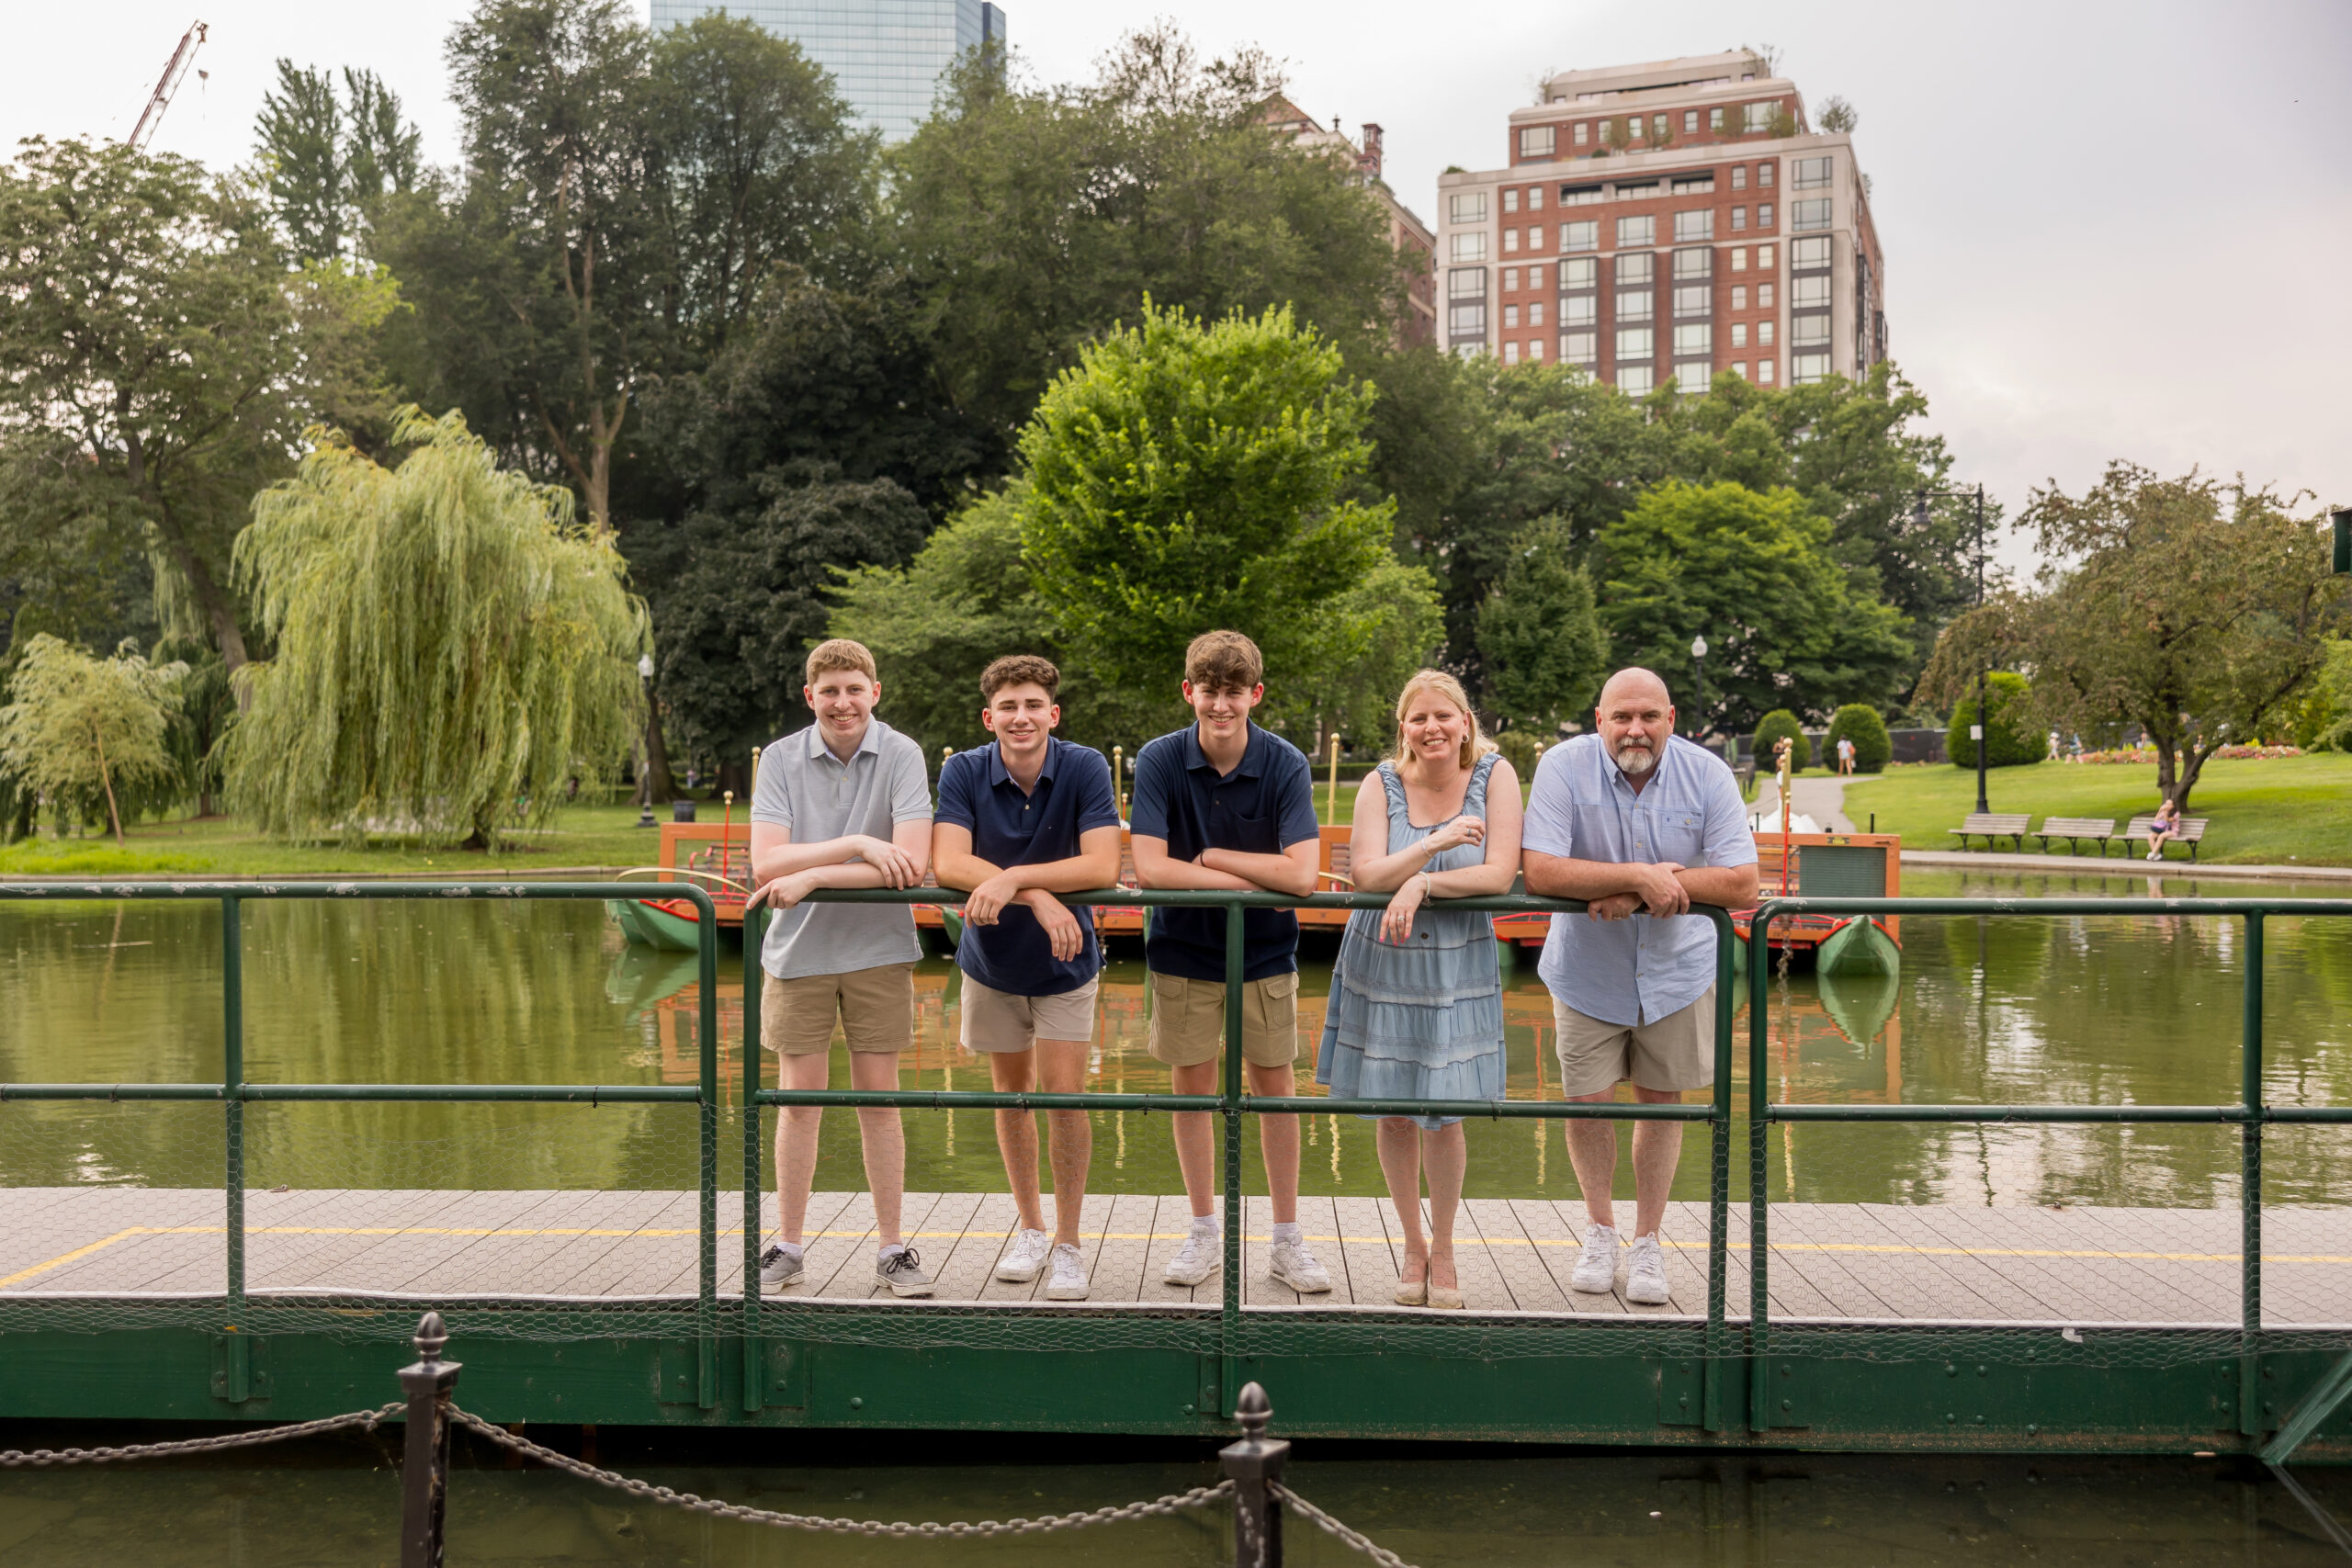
<point>182,58</point>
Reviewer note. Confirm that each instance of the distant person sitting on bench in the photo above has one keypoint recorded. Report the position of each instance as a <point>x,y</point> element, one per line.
<point>2165,823</point>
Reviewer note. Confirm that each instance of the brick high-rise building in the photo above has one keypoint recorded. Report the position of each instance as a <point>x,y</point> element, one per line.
<point>1669,220</point>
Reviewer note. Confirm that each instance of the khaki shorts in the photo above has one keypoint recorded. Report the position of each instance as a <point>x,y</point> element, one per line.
<point>876,1009</point>
<point>1676,1053</point>
<point>999,1021</point>
<point>1188,1019</point>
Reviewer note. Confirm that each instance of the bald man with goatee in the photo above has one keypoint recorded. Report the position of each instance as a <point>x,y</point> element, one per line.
<point>1641,824</point>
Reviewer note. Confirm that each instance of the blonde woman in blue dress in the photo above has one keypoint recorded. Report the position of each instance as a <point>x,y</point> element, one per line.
<point>1416,1009</point>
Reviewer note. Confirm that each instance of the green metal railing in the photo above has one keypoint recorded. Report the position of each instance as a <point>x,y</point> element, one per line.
<point>233,1091</point>
<point>2250,1114</point>
<point>1232,1104</point>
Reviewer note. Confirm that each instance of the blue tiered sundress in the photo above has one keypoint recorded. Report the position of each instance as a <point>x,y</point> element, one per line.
<point>1421,1019</point>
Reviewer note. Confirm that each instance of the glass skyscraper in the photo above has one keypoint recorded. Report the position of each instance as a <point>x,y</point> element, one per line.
<point>886,56</point>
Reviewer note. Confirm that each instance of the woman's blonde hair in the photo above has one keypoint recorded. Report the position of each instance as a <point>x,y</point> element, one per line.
<point>1474,743</point>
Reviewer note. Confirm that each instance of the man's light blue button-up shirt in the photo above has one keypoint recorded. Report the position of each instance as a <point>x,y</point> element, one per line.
<point>1638,970</point>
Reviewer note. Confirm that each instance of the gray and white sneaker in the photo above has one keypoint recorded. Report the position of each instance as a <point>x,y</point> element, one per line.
<point>902,1271</point>
<point>1296,1266</point>
<point>1025,1258</point>
<point>1646,1272</point>
<point>1596,1273</point>
<point>1202,1253</point>
<point>1068,1283</point>
<point>780,1265</point>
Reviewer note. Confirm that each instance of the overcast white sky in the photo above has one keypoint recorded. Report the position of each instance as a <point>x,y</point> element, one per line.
<point>2111,230</point>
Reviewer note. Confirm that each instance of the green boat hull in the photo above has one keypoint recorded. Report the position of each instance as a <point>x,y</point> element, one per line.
<point>1859,947</point>
<point>658,929</point>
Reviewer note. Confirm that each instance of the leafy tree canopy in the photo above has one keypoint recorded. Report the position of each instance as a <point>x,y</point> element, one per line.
<point>1752,572</point>
<point>451,647</point>
<point>2200,611</point>
<point>1539,638</point>
<point>1033,218</point>
<point>326,156</point>
<point>1184,477</point>
<point>83,731</point>
<point>158,364</point>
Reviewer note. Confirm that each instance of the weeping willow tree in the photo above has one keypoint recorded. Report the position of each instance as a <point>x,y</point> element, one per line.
<point>86,732</point>
<point>452,647</point>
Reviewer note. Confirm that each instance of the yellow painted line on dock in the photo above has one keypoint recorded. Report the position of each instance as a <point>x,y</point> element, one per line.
<point>624,1233</point>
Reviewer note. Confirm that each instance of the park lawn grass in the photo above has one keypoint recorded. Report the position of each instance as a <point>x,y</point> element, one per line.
<point>580,836</point>
<point>2283,811</point>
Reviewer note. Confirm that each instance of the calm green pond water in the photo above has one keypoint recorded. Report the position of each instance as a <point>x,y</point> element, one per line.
<point>339,1506</point>
<point>2079,1010</point>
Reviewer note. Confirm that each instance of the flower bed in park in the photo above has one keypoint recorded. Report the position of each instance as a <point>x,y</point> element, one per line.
<point>2236,753</point>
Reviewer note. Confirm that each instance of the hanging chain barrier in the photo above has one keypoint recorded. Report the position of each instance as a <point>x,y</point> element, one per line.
<point>1337,1530</point>
<point>41,1458</point>
<point>954,1529</point>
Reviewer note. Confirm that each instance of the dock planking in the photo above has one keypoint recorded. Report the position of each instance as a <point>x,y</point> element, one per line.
<point>1915,1263</point>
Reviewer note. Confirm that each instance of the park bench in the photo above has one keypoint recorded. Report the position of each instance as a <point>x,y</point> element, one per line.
<point>2075,829</point>
<point>2188,832</point>
<point>1992,825</point>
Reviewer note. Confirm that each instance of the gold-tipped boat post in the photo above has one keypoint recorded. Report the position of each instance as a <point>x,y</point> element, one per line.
<point>1119,780</point>
<point>1334,812</point>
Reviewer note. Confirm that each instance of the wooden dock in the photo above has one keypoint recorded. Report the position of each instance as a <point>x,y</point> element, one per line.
<point>1938,1263</point>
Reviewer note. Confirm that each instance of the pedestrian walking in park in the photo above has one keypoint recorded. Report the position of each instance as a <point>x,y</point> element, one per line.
<point>1845,755</point>
<point>1019,822</point>
<point>1416,1009</point>
<point>841,804</point>
<point>1641,824</point>
<point>1222,804</point>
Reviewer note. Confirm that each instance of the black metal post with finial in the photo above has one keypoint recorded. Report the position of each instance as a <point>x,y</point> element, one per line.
<point>1250,1464</point>
<point>424,1471</point>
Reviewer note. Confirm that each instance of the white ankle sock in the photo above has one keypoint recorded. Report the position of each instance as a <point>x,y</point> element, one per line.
<point>887,1251</point>
<point>1289,1233</point>
<point>1205,1224</point>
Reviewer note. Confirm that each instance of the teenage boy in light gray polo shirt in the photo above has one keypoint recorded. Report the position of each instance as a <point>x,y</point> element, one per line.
<point>841,804</point>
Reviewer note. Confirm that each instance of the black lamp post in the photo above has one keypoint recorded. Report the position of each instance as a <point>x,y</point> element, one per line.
<point>644,761</point>
<point>1698,708</point>
<point>1983,710</point>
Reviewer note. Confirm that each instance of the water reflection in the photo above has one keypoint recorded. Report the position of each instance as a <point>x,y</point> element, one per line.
<point>2079,1010</point>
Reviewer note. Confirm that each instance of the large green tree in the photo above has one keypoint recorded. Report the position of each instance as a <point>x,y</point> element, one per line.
<point>158,364</point>
<point>1540,639</point>
<point>327,156</point>
<point>451,647</point>
<point>1185,476</point>
<point>1752,572</point>
<point>2200,611</point>
<point>84,732</point>
<point>1032,218</point>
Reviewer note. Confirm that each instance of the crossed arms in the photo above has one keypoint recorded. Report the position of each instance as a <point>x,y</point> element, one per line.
<point>993,887</point>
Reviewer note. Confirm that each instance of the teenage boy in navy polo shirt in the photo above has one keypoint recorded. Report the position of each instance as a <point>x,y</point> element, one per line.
<point>1018,822</point>
<point>1222,804</point>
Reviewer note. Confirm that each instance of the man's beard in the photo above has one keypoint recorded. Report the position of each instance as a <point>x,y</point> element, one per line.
<point>1631,758</point>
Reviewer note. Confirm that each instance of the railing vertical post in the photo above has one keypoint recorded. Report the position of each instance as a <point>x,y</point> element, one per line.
<point>1718,1176</point>
<point>1252,1464</point>
<point>754,929</point>
<point>1229,1317</point>
<point>424,1468</point>
<point>1760,1383</point>
<point>707,1227</point>
<point>239,1357</point>
<point>2250,1412</point>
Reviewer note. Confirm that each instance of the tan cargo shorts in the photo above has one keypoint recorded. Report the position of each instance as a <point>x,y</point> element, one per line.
<point>876,1007</point>
<point>1673,1054</point>
<point>1188,1019</point>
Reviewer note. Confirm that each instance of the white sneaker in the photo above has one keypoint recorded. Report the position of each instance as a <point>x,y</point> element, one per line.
<point>1596,1272</point>
<point>1069,1281</point>
<point>1025,1258</point>
<point>1646,1272</point>
<point>1202,1252</point>
<point>1296,1266</point>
